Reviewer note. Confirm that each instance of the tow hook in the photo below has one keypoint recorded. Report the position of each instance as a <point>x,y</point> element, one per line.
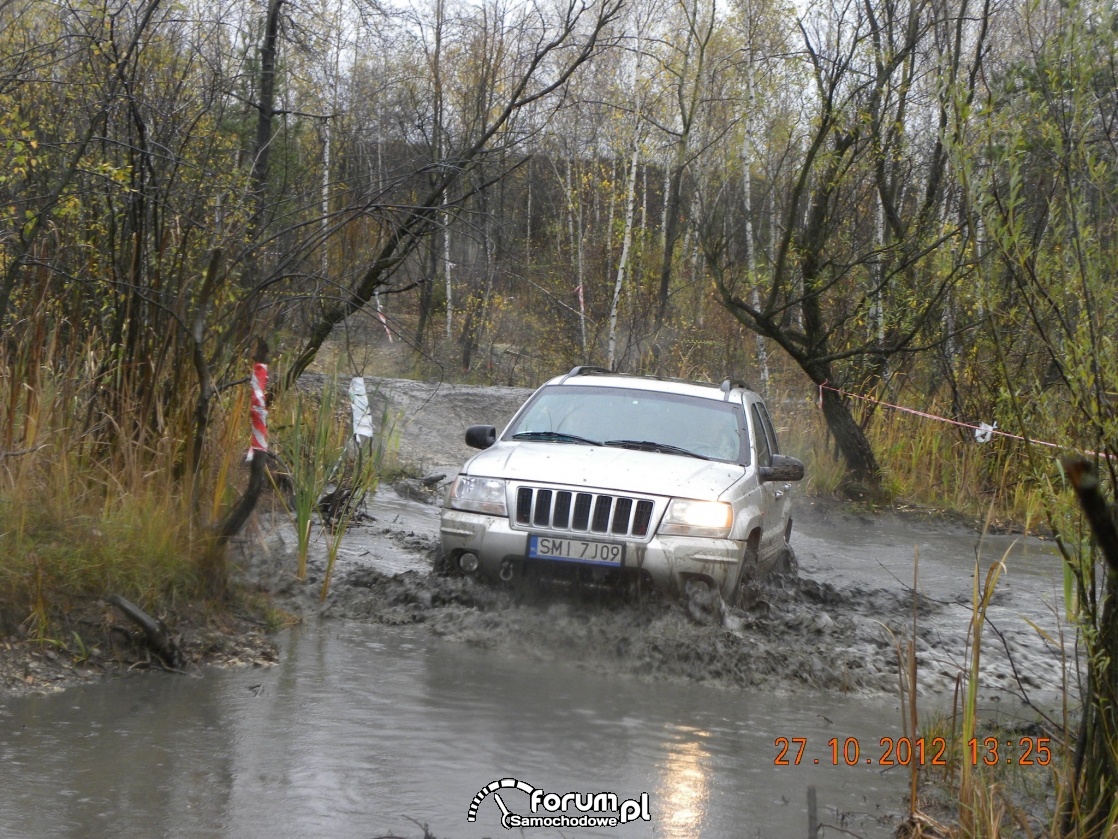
<point>508,570</point>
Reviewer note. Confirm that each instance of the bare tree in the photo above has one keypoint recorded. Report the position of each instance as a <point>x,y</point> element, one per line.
<point>838,297</point>
<point>544,53</point>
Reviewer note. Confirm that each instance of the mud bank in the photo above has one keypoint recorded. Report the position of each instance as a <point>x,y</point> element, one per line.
<point>109,647</point>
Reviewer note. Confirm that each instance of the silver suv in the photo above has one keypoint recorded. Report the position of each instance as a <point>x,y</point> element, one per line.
<point>602,477</point>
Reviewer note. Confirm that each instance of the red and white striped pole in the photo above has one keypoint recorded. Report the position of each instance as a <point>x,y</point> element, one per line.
<point>259,410</point>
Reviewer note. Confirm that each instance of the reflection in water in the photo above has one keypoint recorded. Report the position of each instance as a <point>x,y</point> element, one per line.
<point>684,785</point>
<point>362,729</point>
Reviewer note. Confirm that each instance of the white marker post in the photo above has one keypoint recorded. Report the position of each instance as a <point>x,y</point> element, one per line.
<point>359,404</point>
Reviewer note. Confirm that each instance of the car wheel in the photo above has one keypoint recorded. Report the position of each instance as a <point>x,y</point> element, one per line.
<point>786,564</point>
<point>750,566</point>
<point>703,602</point>
<point>441,564</point>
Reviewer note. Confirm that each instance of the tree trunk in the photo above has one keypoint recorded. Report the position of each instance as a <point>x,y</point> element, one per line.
<point>1096,757</point>
<point>850,439</point>
<point>747,154</point>
<point>671,237</point>
<point>265,107</point>
<point>626,243</point>
<point>427,289</point>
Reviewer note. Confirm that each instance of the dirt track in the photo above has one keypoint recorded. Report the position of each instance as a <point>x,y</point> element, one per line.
<point>832,626</point>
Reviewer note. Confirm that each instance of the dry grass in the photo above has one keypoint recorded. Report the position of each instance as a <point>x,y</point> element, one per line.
<point>97,495</point>
<point>924,463</point>
<point>92,500</point>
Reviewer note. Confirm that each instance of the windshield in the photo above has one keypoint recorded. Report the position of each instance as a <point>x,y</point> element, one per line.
<point>637,419</point>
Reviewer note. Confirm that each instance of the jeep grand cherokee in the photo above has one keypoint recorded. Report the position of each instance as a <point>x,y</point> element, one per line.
<point>605,477</point>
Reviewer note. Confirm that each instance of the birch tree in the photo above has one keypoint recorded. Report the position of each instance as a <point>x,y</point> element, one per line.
<point>544,50</point>
<point>851,154</point>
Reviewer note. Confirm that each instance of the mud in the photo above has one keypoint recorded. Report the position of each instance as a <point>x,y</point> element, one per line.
<point>833,624</point>
<point>798,632</point>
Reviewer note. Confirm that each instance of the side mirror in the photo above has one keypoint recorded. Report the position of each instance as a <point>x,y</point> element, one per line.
<point>484,436</point>
<point>782,468</point>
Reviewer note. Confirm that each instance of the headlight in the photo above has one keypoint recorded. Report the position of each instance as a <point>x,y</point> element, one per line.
<point>698,518</point>
<point>478,495</point>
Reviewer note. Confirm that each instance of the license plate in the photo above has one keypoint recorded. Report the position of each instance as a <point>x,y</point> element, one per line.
<point>575,550</point>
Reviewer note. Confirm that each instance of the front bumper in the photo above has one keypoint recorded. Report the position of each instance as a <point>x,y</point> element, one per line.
<point>669,561</point>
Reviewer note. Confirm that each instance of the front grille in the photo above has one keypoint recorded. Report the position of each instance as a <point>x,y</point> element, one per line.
<point>586,512</point>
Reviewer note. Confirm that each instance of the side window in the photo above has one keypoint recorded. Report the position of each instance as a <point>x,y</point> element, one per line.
<point>770,432</point>
<point>763,435</point>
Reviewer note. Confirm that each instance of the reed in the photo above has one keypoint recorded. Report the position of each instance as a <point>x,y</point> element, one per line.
<point>88,504</point>
<point>101,493</point>
<point>310,435</point>
<point>977,807</point>
<point>924,463</point>
<point>982,795</point>
<point>332,471</point>
<point>360,475</point>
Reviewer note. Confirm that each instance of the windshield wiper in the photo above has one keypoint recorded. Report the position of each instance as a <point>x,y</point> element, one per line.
<point>650,446</point>
<point>554,437</point>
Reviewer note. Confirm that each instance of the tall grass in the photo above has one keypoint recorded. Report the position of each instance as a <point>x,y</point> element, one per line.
<point>97,493</point>
<point>984,798</point>
<point>90,500</point>
<point>332,472</point>
<point>978,809</point>
<point>979,814</point>
<point>360,477</point>
<point>924,462</point>
<point>311,436</point>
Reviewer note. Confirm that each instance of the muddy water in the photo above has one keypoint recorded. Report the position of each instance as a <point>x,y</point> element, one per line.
<point>360,727</point>
<point>365,726</point>
<point>873,557</point>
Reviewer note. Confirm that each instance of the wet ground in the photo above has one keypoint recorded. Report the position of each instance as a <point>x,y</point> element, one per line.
<point>866,583</point>
<point>413,693</point>
<point>833,626</point>
<point>406,693</point>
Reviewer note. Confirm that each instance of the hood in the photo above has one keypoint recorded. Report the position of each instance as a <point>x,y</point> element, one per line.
<point>605,468</point>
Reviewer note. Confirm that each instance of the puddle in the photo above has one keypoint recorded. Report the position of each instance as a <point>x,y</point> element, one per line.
<point>419,691</point>
<point>361,728</point>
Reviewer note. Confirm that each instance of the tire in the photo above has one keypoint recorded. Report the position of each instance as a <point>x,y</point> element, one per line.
<point>441,564</point>
<point>786,564</point>
<point>750,565</point>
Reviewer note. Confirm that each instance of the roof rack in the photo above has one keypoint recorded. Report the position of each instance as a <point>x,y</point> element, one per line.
<point>586,369</point>
<point>729,384</point>
<point>590,370</point>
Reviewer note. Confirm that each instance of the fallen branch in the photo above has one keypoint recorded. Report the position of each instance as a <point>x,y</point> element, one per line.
<point>156,633</point>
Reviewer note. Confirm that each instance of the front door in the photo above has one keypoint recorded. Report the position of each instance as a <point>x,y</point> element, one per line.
<point>772,497</point>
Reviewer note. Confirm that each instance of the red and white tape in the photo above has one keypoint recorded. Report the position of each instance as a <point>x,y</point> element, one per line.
<point>259,442</point>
